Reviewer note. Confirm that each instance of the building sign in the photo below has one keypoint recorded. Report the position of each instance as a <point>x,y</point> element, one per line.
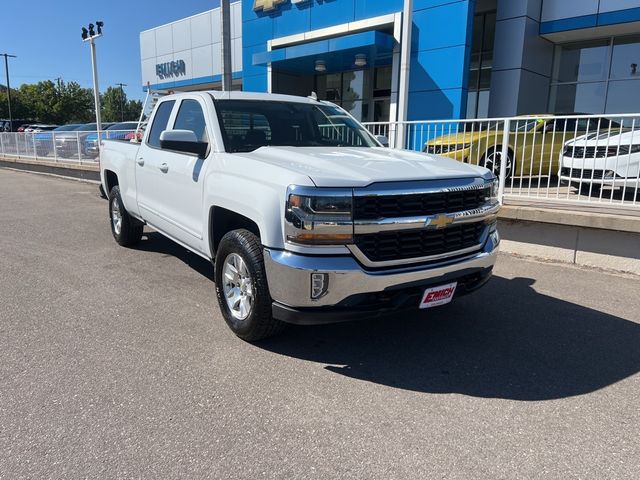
<point>268,5</point>
<point>171,69</point>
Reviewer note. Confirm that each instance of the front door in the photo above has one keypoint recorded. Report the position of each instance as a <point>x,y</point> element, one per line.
<point>170,183</point>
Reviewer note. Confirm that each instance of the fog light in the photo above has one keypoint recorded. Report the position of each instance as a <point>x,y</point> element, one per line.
<point>319,285</point>
<point>495,238</point>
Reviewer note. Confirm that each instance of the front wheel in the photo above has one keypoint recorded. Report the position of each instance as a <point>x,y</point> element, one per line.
<point>242,289</point>
<point>126,230</point>
<point>493,160</point>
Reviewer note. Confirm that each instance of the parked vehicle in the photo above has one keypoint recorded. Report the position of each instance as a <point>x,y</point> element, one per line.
<point>117,131</point>
<point>602,160</point>
<point>17,125</point>
<point>535,143</point>
<point>44,141</point>
<point>304,225</point>
<point>41,128</point>
<point>137,135</point>
<point>67,145</point>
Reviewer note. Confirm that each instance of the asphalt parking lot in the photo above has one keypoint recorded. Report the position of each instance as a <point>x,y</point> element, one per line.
<point>116,363</point>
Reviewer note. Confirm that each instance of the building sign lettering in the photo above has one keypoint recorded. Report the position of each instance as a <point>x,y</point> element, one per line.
<point>171,69</point>
<point>268,5</point>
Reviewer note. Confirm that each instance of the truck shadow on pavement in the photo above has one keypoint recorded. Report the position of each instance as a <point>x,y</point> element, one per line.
<point>507,341</point>
<point>158,243</point>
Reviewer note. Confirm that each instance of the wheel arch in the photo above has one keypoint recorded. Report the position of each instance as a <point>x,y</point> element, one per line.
<point>110,180</point>
<point>223,220</point>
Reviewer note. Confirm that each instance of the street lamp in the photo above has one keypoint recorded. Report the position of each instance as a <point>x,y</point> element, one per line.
<point>6,67</point>
<point>90,35</point>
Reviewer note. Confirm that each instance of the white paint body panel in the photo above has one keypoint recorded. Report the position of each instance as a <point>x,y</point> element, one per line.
<point>251,184</point>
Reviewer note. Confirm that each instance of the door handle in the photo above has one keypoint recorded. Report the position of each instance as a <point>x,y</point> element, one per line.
<point>140,161</point>
<point>164,168</point>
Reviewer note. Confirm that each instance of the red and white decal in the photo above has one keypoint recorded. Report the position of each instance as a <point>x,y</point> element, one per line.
<point>436,296</point>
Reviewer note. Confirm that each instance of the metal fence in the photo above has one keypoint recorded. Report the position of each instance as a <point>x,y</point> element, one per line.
<point>585,160</point>
<point>79,147</point>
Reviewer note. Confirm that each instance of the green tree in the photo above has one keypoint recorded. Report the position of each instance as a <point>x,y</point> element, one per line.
<point>78,106</point>
<point>116,107</point>
<point>48,102</point>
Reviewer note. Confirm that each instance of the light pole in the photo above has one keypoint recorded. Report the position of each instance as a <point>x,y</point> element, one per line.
<point>121,100</point>
<point>6,68</point>
<point>227,76</point>
<point>90,35</point>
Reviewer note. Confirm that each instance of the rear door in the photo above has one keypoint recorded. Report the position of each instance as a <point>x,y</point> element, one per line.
<point>170,183</point>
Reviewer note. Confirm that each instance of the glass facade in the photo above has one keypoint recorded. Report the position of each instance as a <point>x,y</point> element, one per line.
<point>484,32</point>
<point>366,94</point>
<point>597,76</point>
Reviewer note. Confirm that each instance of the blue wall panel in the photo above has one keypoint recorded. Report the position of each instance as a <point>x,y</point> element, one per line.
<point>440,47</point>
<point>438,69</point>
<point>436,104</point>
<point>375,8</point>
<point>331,13</point>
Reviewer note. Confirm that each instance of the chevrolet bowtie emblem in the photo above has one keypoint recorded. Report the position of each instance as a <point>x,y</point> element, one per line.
<point>266,5</point>
<point>441,221</point>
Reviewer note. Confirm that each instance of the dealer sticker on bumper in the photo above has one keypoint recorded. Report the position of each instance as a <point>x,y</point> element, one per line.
<point>436,296</point>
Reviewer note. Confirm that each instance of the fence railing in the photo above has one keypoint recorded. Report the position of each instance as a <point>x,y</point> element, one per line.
<point>586,160</point>
<point>59,147</point>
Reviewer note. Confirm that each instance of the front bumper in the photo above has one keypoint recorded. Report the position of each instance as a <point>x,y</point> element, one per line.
<point>353,292</point>
<point>614,171</point>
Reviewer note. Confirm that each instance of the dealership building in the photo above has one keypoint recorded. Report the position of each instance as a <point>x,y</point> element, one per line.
<point>387,60</point>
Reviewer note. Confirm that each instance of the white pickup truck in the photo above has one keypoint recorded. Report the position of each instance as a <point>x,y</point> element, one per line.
<point>306,217</point>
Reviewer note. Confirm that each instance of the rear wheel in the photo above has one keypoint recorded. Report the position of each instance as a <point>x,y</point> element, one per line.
<point>126,230</point>
<point>242,289</point>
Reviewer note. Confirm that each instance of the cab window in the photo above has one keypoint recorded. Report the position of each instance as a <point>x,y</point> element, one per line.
<point>160,121</point>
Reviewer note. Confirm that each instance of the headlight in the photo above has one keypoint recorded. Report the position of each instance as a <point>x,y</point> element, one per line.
<point>494,185</point>
<point>319,216</point>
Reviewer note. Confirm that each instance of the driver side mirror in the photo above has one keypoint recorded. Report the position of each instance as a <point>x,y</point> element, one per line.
<point>184,141</point>
<point>383,140</point>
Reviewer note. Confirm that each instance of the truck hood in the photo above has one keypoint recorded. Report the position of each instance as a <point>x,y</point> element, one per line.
<point>359,167</point>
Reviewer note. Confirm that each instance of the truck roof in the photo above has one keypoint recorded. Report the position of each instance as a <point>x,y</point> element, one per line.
<point>218,95</point>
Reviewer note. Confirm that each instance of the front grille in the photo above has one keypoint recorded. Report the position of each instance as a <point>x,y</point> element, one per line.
<point>586,173</point>
<point>416,205</point>
<point>402,245</point>
<point>594,152</point>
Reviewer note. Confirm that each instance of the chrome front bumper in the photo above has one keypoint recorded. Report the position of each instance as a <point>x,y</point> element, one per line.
<point>289,275</point>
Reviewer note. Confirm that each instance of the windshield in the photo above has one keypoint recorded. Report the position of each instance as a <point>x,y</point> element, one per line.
<point>525,125</point>
<point>250,124</point>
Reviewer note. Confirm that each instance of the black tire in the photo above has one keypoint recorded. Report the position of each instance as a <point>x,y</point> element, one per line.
<point>259,323</point>
<point>130,229</point>
<point>487,162</point>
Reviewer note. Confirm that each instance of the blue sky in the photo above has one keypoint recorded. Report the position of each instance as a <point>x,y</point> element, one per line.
<point>45,35</point>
